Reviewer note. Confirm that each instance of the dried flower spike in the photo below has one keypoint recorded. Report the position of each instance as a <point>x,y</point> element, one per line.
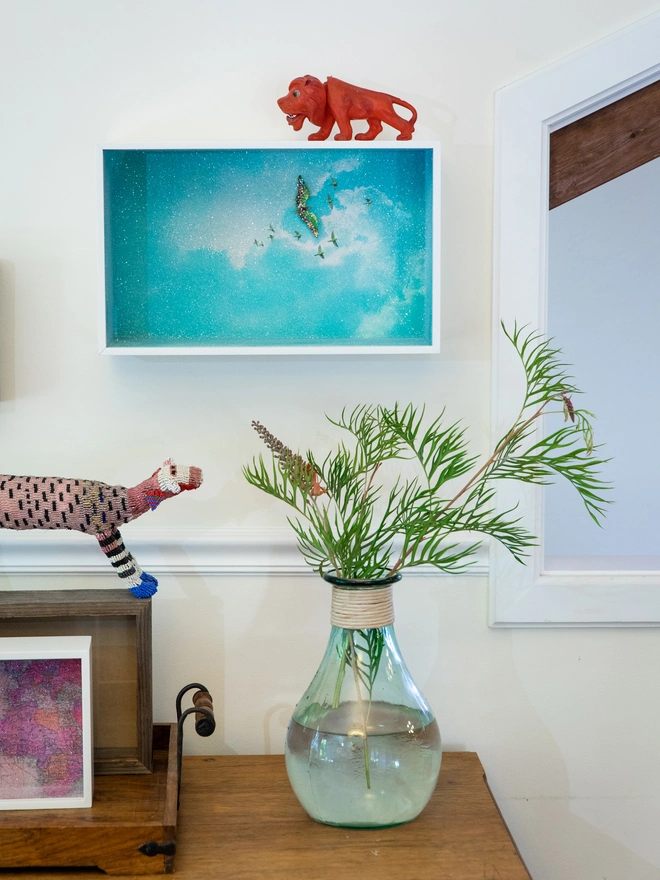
<point>569,409</point>
<point>301,472</point>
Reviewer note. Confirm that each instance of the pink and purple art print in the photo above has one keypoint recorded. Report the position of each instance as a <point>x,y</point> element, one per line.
<point>42,731</point>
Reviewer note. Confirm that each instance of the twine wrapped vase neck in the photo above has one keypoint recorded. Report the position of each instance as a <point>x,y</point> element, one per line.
<point>362,604</point>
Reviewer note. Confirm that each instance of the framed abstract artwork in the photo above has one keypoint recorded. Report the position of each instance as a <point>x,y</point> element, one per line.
<point>289,248</point>
<point>45,723</point>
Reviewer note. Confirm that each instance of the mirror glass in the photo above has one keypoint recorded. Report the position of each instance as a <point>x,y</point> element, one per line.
<point>604,311</point>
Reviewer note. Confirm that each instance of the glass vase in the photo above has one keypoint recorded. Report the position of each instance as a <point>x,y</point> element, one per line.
<point>363,747</point>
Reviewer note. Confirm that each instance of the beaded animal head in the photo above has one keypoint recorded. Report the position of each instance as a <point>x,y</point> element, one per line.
<point>175,478</point>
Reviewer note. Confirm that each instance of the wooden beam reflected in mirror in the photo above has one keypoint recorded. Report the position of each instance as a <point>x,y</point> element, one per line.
<point>605,144</point>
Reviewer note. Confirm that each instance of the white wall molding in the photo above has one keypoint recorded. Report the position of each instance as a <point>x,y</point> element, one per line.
<point>176,551</point>
<point>526,112</point>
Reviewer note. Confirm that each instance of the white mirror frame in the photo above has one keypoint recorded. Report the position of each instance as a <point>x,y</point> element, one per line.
<point>526,113</point>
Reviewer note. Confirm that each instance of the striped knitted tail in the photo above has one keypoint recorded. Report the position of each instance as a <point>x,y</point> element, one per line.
<point>139,582</point>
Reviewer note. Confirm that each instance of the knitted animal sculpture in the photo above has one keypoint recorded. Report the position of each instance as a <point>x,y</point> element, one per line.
<point>96,508</point>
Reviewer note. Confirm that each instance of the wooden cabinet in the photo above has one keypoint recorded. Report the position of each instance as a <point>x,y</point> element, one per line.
<point>240,820</point>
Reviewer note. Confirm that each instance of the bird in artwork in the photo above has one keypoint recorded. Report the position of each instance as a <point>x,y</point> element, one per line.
<point>320,253</point>
<point>333,239</point>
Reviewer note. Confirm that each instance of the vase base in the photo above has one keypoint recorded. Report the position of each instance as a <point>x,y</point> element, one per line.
<point>363,826</point>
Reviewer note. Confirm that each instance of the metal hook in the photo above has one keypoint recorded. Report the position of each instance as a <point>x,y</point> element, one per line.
<point>204,720</point>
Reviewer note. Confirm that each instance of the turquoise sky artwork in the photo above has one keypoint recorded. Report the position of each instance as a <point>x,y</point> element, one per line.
<point>269,247</point>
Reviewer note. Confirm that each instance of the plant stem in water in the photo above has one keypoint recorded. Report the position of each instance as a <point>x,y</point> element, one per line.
<point>340,675</point>
<point>361,705</point>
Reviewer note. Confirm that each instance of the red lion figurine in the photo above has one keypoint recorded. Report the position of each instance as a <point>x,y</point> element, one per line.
<point>337,101</point>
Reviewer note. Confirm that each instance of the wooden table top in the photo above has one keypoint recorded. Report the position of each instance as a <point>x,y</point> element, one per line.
<point>240,820</point>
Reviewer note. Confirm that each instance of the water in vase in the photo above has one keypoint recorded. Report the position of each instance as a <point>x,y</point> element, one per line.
<point>339,782</point>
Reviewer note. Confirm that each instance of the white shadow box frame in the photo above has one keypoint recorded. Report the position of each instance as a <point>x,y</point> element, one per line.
<point>526,113</point>
<point>290,248</point>
<point>36,671</point>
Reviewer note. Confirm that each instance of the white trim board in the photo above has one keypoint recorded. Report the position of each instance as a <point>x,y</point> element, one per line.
<point>257,552</point>
<point>526,113</point>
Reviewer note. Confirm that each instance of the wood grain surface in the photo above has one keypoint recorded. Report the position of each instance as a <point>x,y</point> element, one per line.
<point>240,820</point>
<point>127,812</point>
<point>605,144</point>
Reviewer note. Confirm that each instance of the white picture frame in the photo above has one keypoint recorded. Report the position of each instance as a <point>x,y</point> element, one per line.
<point>46,758</point>
<point>205,249</point>
<point>526,113</point>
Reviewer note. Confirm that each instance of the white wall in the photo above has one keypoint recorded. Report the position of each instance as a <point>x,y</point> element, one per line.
<point>566,722</point>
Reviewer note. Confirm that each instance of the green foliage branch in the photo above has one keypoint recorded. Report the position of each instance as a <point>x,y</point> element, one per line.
<point>346,520</point>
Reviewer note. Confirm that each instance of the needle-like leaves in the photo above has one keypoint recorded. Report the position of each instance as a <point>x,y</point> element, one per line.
<point>345,519</point>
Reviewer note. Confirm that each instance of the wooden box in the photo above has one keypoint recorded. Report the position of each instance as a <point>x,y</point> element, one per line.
<point>129,829</point>
<point>120,627</point>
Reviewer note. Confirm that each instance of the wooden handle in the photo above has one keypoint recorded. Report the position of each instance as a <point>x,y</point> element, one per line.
<point>202,700</point>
